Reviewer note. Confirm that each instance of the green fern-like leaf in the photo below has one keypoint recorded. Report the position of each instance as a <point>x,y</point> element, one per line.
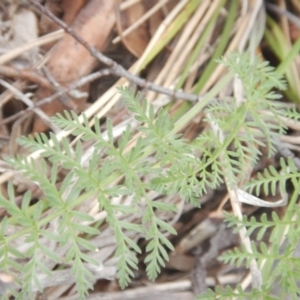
<point>271,177</point>
<point>161,161</point>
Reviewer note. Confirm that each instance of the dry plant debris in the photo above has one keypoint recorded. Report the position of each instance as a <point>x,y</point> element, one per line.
<point>166,49</point>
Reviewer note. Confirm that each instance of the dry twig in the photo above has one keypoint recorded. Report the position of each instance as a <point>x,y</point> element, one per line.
<point>115,68</point>
<point>79,83</point>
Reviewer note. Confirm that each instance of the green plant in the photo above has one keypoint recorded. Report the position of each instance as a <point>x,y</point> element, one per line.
<point>286,53</point>
<point>160,160</point>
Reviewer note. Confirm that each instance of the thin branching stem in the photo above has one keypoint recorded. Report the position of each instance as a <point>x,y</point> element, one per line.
<point>116,69</point>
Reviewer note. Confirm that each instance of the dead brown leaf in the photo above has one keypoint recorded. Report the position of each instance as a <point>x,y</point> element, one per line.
<point>69,60</point>
<point>136,41</point>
